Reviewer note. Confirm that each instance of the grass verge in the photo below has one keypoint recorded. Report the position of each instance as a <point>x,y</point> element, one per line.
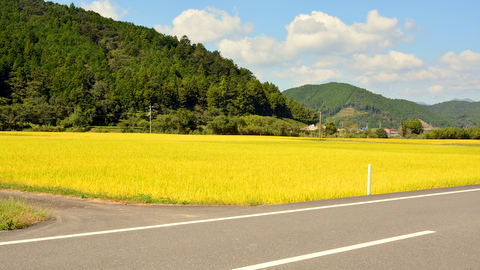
<point>18,214</point>
<point>138,198</point>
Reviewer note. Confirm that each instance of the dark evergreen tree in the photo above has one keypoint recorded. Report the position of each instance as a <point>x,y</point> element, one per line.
<point>62,64</point>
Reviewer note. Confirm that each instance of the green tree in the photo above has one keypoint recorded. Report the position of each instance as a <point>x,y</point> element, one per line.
<point>330,128</point>
<point>80,118</point>
<point>216,95</point>
<point>223,125</point>
<point>413,126</point>
<point>302,114</point>
<point>181,121</point>
<point>381,133</point>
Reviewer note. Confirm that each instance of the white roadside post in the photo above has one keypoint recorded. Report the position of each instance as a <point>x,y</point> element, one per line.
<point>150,114</point>
<point>369,184</point>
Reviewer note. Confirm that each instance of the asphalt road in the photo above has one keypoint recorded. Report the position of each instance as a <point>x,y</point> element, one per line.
<point>433,229</point>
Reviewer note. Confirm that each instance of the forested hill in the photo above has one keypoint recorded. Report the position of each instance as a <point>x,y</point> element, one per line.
<point>61,62</point>
<point>465,113</point>
<point>340,102</point>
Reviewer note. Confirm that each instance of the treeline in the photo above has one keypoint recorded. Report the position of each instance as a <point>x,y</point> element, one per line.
<point>183,121</point>
<point>64,66</point>
<point>453,133</point>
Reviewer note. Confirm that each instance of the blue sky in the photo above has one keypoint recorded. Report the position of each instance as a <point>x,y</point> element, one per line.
<point>423,51</point>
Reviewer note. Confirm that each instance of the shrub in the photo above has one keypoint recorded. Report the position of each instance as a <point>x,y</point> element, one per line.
<point>39,128</point>
<point>176,122</point>
<point>381,133</point>
<point>223,125</point>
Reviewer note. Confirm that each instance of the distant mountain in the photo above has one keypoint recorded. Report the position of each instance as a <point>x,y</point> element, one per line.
<point>465,113</point>
<point>341,102</point>
<point>465,99</point>
<point>423,103</point>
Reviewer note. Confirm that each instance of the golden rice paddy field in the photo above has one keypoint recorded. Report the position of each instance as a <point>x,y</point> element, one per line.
<point>243,170</point>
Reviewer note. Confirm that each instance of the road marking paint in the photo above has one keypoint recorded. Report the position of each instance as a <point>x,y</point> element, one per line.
<point>333,251</point>
<point>232,218</point>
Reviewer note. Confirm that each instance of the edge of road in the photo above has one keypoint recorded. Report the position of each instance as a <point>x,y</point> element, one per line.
<point>95,210</point>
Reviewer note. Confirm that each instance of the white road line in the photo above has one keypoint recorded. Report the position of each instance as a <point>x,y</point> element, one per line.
<point>333,251</point>
<point>231,218</point>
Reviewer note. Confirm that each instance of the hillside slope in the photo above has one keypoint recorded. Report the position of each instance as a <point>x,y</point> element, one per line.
<point>61,62</point>
<point>340,102</point>
<point>464,113</point>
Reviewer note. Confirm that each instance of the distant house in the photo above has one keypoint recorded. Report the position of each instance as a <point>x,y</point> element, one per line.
<point>310,128</point>
<point>426,127</point>
<point>392,133</point>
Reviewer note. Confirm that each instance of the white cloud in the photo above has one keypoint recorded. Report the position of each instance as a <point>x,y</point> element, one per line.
<point>370,78</point>
<point>205,25</point>
<point>442,83</point>
<point>306,75</point>
<point>428,74</point>
<point>431,73</point>
<point>317,34</point>
<point>386,77</point>
<point>257,51</point>
<point>330,62</point>
<point>469,86</point>
<point>378,24</point>
<point>318,48</point>
<point>392,61</point>
<point>106,9</point>
<point>466,60</point>
<point>411,91</point>
<point>321,33</point>
<point>436,89</point>
<point>409,24</point>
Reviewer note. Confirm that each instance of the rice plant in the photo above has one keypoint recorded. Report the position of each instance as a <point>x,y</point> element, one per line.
<point>240,170</point>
